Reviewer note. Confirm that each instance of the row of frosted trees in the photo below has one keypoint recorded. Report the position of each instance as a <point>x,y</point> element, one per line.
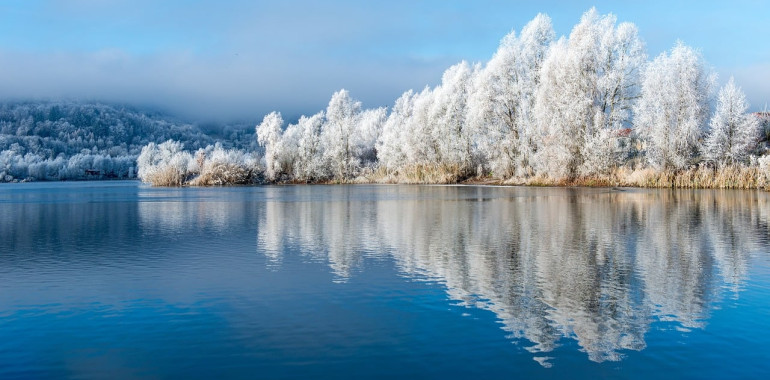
<point>577,107</point>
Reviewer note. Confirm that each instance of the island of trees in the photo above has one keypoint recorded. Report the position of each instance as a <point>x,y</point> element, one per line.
<point>587,109</point>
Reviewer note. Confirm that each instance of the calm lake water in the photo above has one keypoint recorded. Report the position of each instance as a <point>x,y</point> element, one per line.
<point>120,280</point>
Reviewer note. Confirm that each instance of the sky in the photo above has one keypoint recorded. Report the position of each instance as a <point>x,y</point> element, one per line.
<point>238,60</point>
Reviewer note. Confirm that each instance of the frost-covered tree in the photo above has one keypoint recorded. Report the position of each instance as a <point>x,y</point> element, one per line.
<point>391,149</point>
<point>588,87</point>
<point>342,116</point>
<point>734,133</point>
<point>367,133</point>
<point>269,136</point>
<point>419,144</point>
<point>558,116</point>
<point>309,163</point>
<point>621,58</point>
<point>450,131</point>
<point>287,153</point>
<point>501,106</point>
<point>673,107</point>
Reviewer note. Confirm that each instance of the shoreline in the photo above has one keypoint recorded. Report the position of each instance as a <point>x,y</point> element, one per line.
<point>469,182</point>
<point>733,177</point>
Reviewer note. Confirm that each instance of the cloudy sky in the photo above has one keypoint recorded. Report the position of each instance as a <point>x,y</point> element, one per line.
<point>231,60</point>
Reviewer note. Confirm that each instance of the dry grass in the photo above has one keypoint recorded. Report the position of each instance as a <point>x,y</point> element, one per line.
<point>420,174</point>
<point>702,177</point>
<point>167,176</point>
<point>218,173</point>
<point>593,181</point>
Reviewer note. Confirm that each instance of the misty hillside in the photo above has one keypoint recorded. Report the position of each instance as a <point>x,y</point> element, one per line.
<point>67,140</point>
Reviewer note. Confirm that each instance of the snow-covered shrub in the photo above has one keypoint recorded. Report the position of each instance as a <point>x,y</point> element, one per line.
<point>220,166</point>
<point>165,164</point>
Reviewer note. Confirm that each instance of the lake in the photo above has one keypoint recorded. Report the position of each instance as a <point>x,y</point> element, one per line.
<point>120,280</point>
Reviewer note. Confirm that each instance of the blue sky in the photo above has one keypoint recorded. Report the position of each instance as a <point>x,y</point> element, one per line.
<point>230,60</point>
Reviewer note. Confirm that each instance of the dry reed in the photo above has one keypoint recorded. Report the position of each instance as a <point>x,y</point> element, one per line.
<point>167,176</point>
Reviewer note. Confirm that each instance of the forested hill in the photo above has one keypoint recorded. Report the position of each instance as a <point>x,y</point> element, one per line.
<point>68,140</point>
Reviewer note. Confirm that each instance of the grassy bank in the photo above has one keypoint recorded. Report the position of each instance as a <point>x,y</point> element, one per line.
<point>700,177</point>
<point>223,168</point>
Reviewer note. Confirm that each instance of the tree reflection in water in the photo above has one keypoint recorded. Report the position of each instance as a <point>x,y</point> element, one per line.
<point>594,265</point>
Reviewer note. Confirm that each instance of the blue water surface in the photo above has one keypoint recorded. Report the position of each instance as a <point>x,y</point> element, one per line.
<point>121,280</point>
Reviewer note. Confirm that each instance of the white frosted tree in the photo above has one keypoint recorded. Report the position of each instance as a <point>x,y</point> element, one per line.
<point>391,152</point>
<point>419,145</point>
<point>734,133</point>
<point>450,132</point>
<point>673,107</point>
<point>269,135</point>
<point>309,164</point>
<point>501,105</point>
<point>286,153</point>
<point>621,59</point>
<point>588,87</point>
<point>342,116</point>
<point>367,133</point>
<point>556,138</point>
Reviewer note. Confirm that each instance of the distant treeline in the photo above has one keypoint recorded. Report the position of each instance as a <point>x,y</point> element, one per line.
<point>66,140</point>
